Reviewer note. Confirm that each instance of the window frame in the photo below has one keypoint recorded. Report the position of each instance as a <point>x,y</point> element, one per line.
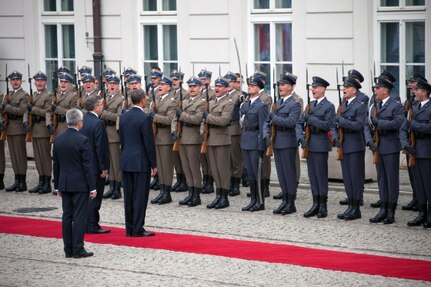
<point>401,7</point>
<point>271,9</point>
<point>58,11</point>
<point>159,10</point>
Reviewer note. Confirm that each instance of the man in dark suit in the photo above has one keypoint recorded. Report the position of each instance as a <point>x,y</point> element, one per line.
<point>95,130</point>
<point>74,182</point>
<point>137,162</point>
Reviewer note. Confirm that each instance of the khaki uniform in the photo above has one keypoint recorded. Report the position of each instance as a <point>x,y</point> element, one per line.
<point>64,102</point>
<point>2,151</point>
<point>266,163</point>
<point>111,116</point>
<point>211,93</point>
<point>219,140</point>
<point>17,107</point>
<point>297,161</point>
<point>176,156</point>
<point>236,159</point>
<point>82,98</point>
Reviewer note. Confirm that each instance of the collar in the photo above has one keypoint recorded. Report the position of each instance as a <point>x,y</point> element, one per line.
<point>253,100</point>
<point>218,99</point>
<point>423,103</point>
<point>17,90</point>
<point>349,101</point>
<point>163,97</point>
<point>384,101</point>
<point>286,98</point>
<point>321,99</point>
<point>136,106</point>
<point>94,113</point>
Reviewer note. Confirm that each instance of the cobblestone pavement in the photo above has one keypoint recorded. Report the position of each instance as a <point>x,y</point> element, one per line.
<point>31,261</point>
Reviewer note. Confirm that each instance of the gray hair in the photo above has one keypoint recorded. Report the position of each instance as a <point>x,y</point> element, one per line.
<point>73,117</point>
<point>137,96</point>
<point>91,102</point>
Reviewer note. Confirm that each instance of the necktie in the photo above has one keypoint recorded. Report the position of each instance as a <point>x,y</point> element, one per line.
<point>282,101</point>
<point>380,105</point>
<point>420,106</point>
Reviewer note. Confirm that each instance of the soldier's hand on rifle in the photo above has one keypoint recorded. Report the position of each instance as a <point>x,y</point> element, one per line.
<point>267,141</point>
<point>302,142</point>
<point>174,136</point>
<point>29,107</point>
<point>306,117</point>
<point>53,107</point>
<point>26,127</point>
<point>8,108</point>
<point>179,112</point>
<point>336,142</point>
<point>410,150</point>
<point>271,115</point>
<point>1,127</point>
<point>413,124</point>
<point>51,129</point>
<point>205,114</point>
<point>152,114</point>
<point>372,146</point>
<point>374,121</point>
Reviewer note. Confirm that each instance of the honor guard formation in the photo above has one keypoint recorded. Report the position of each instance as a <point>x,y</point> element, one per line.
<point>215,138</point>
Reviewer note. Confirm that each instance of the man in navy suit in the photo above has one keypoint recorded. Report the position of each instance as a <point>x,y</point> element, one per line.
<point>137,162</point>
<point>387,120</point>
<point>95,130</point>
<point>74,182</point>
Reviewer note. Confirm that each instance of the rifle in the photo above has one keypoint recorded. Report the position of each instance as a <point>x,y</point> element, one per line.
<point>154,107</point>
<point>176,146</point>
<point>206,128</point>
<point>409,115</point>
<point>3,134</point>
<point>307,111</point>
<point>29,135</point>
<point>340,113</point>
<point>269,149</point>
<point>54,101</point>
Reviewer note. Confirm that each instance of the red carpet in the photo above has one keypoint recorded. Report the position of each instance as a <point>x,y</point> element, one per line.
<point>248,250</point>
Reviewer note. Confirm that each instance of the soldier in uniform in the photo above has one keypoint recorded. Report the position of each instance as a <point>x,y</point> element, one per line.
<point>205,77</point>
<point>421,151</point>
<point>388,120</point>
<point>352,122</point>
<point>111,115</point>
<point>166,108</point>
<point>219,140</point>
<point>64,101</point>
<point>89,90</point>
<point>321,119</point>
<point>42,129</point>
<point>62,71</point>
<point>253,115</point>
<point>236,158</point>
<point>2,150</point>
<point>177,81</point>
<point>15,105</point>
<point>390,78</point>
<point>190,116</point>
<point>285,146</point>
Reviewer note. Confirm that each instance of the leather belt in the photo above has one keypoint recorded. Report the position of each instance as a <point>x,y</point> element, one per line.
<point>13,117</point>
<point>110,123</point>
<point>61,118</point>
<point>37,119</point>
<point>189,125</point>
<point>162,126</point>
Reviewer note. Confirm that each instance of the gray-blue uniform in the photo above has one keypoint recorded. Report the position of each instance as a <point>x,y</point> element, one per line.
<point>420,125</point>
<point>389,119</point>
<point>253,146</point>
<point>321,119</point>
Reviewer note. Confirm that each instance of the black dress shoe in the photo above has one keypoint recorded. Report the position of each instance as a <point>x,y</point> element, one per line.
<point>68,254</point>
<point>83,254</point>
<point>99,231</point>
<point>278,196</point>
<point>144,234</point>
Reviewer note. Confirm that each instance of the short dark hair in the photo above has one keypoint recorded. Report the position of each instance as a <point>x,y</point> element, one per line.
<point>137,96</point>
<point>91,102</point>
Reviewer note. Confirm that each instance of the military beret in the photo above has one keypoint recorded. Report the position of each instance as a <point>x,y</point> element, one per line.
<point>166,80</point>
<point>85,70</point>
<point>109,72</point>
<point>417,76</point>
<point>386,74</point>
<point>261,75</point>
<point>255,81</point>
<point>114,79</point>
<point>230,76</point>
<point>424,85</point>
<point>88,78</point>
<point>287,78</point>
<point>383,82</point>
<point>129,71</point>
<point>15,75</point>
<point>194,81</point>
<point>63,70</point>
<point>352,82</point>
<point>40,76</point>
<point>176,75</point>
<point>222,82</point>
<point>355,74</point>
<point>205,74</point>
<point>319,82</point>
<point>134,79</point>
<point>66,77</point>
<point>156,73</point>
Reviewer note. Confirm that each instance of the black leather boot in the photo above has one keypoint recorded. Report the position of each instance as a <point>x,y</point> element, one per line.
<point>376,204</point>
<point>224,201</point>
<point>111,189</point>
<point>46,187</point>
<point>244,178</point>
<point>278,196</point>
<point>186,200</point>
<point>420,219</point>
<point>283,203</point>
<point>344,201</point>
<point>14,186</point>
<point>390,217</point>
<point>157,198</point>
<point>1,181</point>
<point>183,183</point>
<point>381,215</point>
<point>355,212</point>
<point>175,186</point>
<point>117,191</point>
<point>234,191</point>
<point>412,205</point>
<point>204,181</point>
<point>166,195</point>
<point>314,208</point>
<point>209,188</point>
<point>216,200</point>
<point>349,208</point>
<point>253,195</point>
<point>265,187</point>
<point>427,223</point>
<point>323,209</point>
<point>290,206</point>
<point>155,184</point>
<point>196,198</point>
<point>22,185</point>
<point>38,186</point>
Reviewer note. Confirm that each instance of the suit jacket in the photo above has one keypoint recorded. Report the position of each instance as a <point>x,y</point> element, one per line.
<point>17,108</point>
<point>352,122</point>
<point>254,118</point>
<point>285,118</point>
<point>41,114</point>
<point>95,130</point>
<point>138,151</point>
<point>111,116</point>
<point>321,120</point>
<point>191,119</point>
<point>218,119</point>
<point>72,163</point>
<point>166,112</point>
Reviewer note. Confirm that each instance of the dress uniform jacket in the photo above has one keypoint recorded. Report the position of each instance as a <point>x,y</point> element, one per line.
<point>266,167</point>
<point>176,94</point>
<point>352,122</point>
<point>111,116</point>
<point>234,127</point>
<point>191,118</point>
<point>65,102</point>
<point>16,109</point>
<point>41,115</point>
<point>166,110</point>
<point>421,126</point>
<point>219,117</point>
<point>211,94</point>
<point>254,117</point>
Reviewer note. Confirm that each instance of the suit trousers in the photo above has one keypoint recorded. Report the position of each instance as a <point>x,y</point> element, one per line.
<point>219,163</point>
<point>352,167</point>
<point>42,156</point>
<point>74,220</point>
<point>95,204</point>
<point>236,159</point>
<point>190,161</point>
<point>18,153</point>
<point>423,180</point>
<point>114,157</point>
<point>285,160</point>
<point>165,164</point>
<point>388,177</point>
<point>317,163</point>
<point>136,189</point>
<point>2,158</point>
<point>251,164</point>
